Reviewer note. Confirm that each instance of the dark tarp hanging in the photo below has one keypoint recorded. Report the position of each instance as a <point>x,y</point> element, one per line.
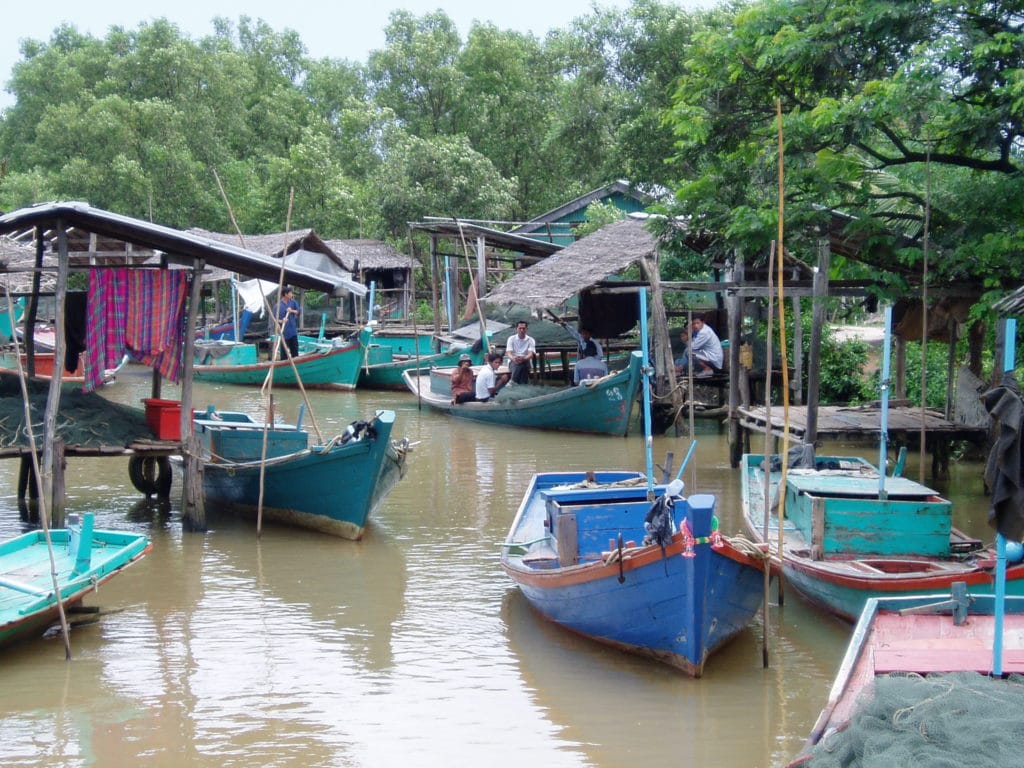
<point>1004,472</point>
<point>608,315</point>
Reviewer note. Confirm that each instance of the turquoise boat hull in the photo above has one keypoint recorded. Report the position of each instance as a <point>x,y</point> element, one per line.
<point>329,366</point>
<point>842,544</point>
<point>389,374</point>
<point>599,406</point>
<point>84,558</point>
<point>330,488</point>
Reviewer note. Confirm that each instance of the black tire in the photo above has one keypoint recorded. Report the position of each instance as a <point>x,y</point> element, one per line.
<point>151,475</point>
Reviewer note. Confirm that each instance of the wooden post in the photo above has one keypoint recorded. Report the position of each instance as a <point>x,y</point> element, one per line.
<point>58,502</point>
<point>59,349</point>
<point>664,367</point>
<point>900,387</point>
<point>814,359</point>
<point>734,303</point>
<point>797,385</point>
<point>434,287</point>
<point>193,508</point>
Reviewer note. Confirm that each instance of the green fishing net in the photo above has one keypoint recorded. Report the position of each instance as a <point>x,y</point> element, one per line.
<point>938,721</point>
<point>83,419</point>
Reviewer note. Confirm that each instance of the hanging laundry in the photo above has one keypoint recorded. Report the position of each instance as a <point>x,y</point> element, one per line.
<point>139,312</point>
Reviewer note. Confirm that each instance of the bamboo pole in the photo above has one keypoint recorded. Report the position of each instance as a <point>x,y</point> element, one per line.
<point>62,273</point>
<point>766,460</point>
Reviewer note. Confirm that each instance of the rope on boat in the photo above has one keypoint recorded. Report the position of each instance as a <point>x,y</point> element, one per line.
<point>746,547</point>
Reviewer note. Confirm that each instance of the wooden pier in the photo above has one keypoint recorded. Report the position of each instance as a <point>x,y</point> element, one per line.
<point>837,422</point>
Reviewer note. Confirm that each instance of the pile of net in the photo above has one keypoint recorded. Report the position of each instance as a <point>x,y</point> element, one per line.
<point>515,392</point>
<point>83,419</point>
<point>953,720</point>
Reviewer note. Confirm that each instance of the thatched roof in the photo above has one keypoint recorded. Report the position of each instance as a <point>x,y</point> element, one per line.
<point>19,261</point>
<point>1011,304</point>
<point>577,267</point>
<point>370,254</point>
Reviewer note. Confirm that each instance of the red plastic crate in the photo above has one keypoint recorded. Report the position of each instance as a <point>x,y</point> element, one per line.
<point>164,417</point>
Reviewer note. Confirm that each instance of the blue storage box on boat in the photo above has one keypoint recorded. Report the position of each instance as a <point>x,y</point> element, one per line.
<point>163,417</point>
<point>241,444</point>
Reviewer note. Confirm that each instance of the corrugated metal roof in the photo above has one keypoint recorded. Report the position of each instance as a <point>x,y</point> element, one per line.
<point>175,243</point>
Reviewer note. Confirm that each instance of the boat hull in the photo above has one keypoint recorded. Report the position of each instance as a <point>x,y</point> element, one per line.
<point>27,600</point>
<point>917,636</point>
<point>600,406</point>
<point>842,583</point>
<point>333,368</point>
<point>663,604</point>
<point>331,489</point>
<point>389,375</point>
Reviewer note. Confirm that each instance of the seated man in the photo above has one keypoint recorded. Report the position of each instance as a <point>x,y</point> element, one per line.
<point>487,382</point>
<point>705,348</point>
<point>521,350</point>
<point>462,381</point>
<point>590,362</point>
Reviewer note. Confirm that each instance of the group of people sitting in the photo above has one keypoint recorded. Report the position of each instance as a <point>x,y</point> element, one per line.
<point>521,350</point>
<point>702,343</point>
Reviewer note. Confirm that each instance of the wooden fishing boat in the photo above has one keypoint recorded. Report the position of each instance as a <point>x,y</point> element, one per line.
<point>44,367</point>
<point>332,488</point>
<point>384,368</point>
<point>889,672</point>
<point>602,406</point>
<point>84,558</point>
<point>843,542</point>
<point>334,365</point>
<point>576,551</point>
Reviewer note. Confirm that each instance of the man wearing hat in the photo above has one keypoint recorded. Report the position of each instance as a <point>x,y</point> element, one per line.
<point>462,381</point>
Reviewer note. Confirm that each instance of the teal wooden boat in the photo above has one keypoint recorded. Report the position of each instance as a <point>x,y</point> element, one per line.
<point>84,558</point>
<point>384,368</point>
<point>333,365</point>
<point>332,488</point>
<point>843,541</point>
<point>601,406</point>
<point>6,331</point>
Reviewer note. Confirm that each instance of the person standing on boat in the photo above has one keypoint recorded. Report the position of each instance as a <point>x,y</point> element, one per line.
<point>286,314</point>
<point>462,382</point>
<point>488,383</point>
<point>590,362</point>
<point>705,348</point>
<point>521,349</point>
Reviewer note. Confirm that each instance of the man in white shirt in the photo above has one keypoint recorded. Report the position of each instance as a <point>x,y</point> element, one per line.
<point>487,382</point>
<point>521,349</point>
<point>706,350</point>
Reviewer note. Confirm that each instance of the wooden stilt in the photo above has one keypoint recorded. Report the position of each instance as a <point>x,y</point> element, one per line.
<point>27,488</point>
<point>193,507</point>
<point>58,499</point>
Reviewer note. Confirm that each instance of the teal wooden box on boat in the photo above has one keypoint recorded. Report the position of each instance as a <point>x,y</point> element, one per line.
<point>841,514</point>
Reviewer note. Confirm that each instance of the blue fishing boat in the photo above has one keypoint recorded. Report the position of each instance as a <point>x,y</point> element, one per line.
<point>921,680</point>
<point>83,558</point>
<point>332,488</point>
<point>332,365</point>
<point>601,406</point>
<point>634,565</point>
<point>850,533</point>
<point>577,551</point>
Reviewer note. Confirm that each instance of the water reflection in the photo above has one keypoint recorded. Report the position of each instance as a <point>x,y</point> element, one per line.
<point>411,646</point>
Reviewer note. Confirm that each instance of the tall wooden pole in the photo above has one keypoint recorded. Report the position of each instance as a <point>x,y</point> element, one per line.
<point>193,506</point>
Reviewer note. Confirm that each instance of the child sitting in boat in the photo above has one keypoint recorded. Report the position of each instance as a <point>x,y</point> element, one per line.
<point>462,381</point>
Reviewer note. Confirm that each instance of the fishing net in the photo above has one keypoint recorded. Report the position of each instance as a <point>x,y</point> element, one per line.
<point>938,721</point>
<point>512,394</point>
<point>83,419</point>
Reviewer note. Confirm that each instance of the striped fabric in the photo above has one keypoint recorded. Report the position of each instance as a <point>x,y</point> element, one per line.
<point>140,312</point>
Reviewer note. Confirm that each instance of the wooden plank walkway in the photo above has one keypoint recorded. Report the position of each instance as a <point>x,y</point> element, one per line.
<point>851,422</point>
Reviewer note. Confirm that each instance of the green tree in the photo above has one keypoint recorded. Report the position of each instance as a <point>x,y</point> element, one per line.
<point>888,105</point>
